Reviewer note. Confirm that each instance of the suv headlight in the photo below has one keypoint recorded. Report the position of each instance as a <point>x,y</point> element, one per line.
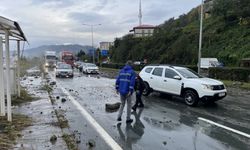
<point>207,87</point>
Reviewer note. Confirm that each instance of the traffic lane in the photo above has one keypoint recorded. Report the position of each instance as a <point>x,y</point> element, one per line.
<point>214,112</point>
<point>158,121</point>
<point>83,131</point>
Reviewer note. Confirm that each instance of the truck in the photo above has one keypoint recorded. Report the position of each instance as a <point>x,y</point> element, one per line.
<point>67,57</point>
<point>50,58</point>
<point>210,62</point>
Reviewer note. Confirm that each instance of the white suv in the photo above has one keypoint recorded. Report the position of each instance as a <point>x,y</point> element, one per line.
<point>182,82</point>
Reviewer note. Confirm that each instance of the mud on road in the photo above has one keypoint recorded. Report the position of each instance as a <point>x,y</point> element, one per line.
<point>163,123</point>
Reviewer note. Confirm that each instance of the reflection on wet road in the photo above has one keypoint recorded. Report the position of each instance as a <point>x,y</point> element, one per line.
<point>164,123</point>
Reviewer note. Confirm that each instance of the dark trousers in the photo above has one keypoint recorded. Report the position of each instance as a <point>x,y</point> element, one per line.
<point>138,101</point>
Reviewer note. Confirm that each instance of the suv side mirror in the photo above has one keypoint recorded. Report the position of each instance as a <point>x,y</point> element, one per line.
<point>177,77</point>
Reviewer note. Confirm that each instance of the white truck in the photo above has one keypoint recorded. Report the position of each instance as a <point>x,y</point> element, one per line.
<point>50,58</point>
<point>209,62</point>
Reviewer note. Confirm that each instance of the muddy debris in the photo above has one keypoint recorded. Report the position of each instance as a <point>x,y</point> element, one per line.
<point>41,112</point>
<point>164,142</point>
<point>57,97</point>
<point>52,83</point>
<point>63,100</point>
<point>53,139</point>
<point>91,143</point>
<point>112,107</point>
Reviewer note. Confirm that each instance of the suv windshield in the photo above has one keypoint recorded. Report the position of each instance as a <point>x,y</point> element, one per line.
<point>188,73</point>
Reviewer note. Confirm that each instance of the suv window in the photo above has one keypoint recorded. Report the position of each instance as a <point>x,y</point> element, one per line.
<point>170,73</point>
<point>157,71</point>
<point>148,70</point>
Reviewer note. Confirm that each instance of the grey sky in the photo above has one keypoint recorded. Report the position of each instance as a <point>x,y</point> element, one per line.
<point>60,21</point>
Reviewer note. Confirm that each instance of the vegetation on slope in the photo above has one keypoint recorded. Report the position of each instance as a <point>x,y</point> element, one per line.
<point>226,36</point>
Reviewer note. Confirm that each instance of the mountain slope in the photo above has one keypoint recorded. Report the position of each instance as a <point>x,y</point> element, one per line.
<point>226,36</point>
<point>39,51</point>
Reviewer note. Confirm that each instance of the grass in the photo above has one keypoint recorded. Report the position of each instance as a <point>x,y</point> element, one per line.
<point>112,70</point>
<point>62,121</point>
<point>10,131</point>
<point>242,85</point>
<point>47,88</point>
<point>69,139</point>
<point>24,97</point>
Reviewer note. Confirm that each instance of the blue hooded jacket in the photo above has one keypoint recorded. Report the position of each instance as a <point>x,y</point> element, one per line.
<point>126,80</point>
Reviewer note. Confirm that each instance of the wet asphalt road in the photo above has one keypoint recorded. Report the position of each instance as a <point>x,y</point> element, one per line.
<point>162,124</point>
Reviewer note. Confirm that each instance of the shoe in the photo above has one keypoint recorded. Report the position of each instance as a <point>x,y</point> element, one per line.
<point>119,119</point>
<point>141,105</point>
<point>129,120</point>
<point>119,125</point>
<point>134,108</point>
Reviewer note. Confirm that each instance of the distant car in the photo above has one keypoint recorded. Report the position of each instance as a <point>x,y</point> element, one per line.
<point>64,70</point>
<point>183,82</point>
<point>90,68</point>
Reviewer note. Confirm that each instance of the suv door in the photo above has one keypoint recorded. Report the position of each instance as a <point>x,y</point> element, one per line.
<point>156,78</point>
<point>170,84</point>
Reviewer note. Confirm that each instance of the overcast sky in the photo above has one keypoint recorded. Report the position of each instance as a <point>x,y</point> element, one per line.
<point>60,21</point>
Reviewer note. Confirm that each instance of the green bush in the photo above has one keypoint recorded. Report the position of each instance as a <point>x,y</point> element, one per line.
<point>120,66</point>
<point>234,74</point>
<point>193,67</point>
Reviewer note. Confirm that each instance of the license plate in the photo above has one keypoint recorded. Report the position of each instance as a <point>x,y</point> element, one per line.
<point>222,94</point>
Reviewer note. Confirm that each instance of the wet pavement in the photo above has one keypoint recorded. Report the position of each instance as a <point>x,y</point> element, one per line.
<point>162,124</point>
<point>38,135</point>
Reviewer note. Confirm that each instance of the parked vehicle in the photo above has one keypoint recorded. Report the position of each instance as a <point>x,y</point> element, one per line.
<point>67,57</point>
<point>210,62</point>
<point>90,68</point>
<point>64,70</point>
<point>182,82</point>
<point>50,59</point>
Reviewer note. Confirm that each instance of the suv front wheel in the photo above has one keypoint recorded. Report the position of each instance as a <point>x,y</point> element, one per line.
<point>190,97</point>
<point>147,90</point>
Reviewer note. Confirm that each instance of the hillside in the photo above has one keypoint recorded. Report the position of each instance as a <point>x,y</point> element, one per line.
<point>39,51</point>
<point>226,35</point>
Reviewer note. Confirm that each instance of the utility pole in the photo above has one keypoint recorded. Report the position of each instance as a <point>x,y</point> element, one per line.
<point>200,40</point>
<point>92,38</point>
<point>140,14</point>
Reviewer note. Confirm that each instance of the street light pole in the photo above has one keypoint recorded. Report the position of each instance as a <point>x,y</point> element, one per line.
<point>92,37</point>
<point>200,40</point>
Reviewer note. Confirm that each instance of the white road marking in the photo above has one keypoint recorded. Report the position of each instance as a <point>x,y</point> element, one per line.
<point>225,127</point>
<point>106,137</point>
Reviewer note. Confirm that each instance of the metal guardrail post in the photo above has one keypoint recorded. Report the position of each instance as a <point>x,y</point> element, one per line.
<point>2,98</point>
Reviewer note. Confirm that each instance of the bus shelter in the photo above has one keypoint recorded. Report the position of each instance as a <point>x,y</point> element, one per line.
<point>9,30</point>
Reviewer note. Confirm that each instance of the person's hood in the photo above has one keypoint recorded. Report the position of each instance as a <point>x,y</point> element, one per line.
<point>127,67</point>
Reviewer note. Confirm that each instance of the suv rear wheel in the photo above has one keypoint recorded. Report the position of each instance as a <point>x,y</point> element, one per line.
<point>190,97</point>
<point>147,90</point>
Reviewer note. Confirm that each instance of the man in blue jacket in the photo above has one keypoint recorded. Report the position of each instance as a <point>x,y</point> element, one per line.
<point>125,86</point>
